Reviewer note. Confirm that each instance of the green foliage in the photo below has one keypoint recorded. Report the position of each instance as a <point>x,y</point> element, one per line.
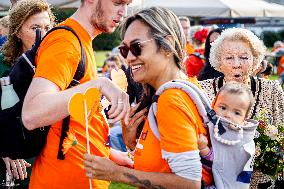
<point>269,146</point>
<point>100,57</point>
<point>281,34</point>
<point>107,41</point>
<point>62,14</point>
<point>269,37</point>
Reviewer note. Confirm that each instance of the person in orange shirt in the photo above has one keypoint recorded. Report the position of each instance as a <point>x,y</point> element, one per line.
<point>280,71</point>
<point>46,102</point>
<point>152,45</point>
<point>185,24</point>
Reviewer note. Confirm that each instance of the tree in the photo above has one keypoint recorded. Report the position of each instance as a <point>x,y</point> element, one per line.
<point>269,37</point>
<point>107,41</point>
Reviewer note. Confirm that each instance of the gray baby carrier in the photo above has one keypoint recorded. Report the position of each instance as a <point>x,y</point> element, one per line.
<point>233,148</point>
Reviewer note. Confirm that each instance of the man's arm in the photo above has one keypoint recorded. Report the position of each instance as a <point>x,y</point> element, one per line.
<point>45,104</point>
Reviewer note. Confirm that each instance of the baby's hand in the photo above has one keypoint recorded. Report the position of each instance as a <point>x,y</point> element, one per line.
<point>203,145</point>
<point>202,142</point>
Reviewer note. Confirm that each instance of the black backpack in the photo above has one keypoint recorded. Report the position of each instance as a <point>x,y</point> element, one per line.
<point>16,141</point>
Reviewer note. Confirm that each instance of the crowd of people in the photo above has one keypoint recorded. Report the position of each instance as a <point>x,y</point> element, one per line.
<point>226,66</point>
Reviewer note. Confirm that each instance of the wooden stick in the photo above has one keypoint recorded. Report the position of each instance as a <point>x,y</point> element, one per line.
<point>87,134</point>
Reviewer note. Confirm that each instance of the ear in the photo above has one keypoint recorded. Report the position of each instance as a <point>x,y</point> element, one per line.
<point>171,40</point>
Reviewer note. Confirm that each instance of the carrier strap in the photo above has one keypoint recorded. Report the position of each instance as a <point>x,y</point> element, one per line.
<point>79,74</point>
<point>200,100</point>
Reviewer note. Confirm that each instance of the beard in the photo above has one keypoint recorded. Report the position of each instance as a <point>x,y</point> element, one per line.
<point>98,19</point>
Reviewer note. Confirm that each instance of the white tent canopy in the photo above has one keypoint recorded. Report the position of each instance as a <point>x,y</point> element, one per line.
<point>5,4</point>
<point>195,8</point>
<point>219,8</point>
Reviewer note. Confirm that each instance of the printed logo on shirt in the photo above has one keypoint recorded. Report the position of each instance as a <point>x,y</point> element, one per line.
<point>144,135</point>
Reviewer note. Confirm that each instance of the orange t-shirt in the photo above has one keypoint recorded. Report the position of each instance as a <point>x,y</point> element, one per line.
<point>280,68</point>
<point>179,125</point>
<point>189,49</point>
<point>57,61</point>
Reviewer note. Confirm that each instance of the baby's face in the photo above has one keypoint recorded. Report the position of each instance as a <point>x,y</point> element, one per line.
<point>233,107</point>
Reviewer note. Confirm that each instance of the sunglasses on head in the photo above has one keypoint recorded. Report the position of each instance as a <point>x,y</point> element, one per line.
<point>135,48</point>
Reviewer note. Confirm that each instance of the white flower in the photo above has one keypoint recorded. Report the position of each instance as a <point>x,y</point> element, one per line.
<point>257,150</point>
<point>271,131</point>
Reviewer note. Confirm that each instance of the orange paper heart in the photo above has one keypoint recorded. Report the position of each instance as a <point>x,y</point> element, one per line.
<point>76,104</point>
<point>119,78</point>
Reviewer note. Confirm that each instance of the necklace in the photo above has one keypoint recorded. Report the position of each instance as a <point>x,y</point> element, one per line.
<point>226,141</point>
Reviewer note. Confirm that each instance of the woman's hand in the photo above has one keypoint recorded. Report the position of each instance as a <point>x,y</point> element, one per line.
<point>129,130</point>
<point>100,168</point>
<point>17,167</point>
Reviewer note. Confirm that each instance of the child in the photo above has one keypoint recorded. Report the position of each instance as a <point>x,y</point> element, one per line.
<point>112,62</point>
<point>231,137</point>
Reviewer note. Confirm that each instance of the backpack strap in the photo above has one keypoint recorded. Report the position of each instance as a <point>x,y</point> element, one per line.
<point>79,74</point>
<point>217,84</point>
<point>200,100</point>
<point>254,91</point>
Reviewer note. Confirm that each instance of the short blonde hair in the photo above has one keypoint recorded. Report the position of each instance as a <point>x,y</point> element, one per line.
<point>237,34</point>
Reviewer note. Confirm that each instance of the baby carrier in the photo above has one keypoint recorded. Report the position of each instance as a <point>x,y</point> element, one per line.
<point>233,147</point>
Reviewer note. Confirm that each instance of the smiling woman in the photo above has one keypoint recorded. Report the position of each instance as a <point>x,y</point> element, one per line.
<point>152,45</point>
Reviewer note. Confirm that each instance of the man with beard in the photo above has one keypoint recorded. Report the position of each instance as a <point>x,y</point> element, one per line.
<point>46,102</point>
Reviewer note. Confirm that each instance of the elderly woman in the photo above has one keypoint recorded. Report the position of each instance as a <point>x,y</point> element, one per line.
<point>237,53</point>
<point>153,47</point>
<point>24,18</point>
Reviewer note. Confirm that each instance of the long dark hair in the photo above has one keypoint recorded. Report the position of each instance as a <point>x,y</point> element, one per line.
<point>208,72</point>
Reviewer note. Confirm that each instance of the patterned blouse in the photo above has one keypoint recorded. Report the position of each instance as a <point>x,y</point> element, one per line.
<point>268,95</point>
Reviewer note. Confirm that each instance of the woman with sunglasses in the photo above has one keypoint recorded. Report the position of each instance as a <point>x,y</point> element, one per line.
<point>152,45</point>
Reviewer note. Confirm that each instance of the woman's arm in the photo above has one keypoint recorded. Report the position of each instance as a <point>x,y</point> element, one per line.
<point>104,169</point>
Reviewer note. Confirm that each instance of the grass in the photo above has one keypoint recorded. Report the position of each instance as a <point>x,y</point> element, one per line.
<point>116,185</point>
<point>100,57</point>
<point>273,77</point>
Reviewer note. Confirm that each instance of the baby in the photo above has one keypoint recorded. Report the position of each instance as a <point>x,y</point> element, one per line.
<point>232,146</point>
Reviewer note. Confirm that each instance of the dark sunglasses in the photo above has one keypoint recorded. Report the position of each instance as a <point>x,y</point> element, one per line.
<point>135,48</point>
